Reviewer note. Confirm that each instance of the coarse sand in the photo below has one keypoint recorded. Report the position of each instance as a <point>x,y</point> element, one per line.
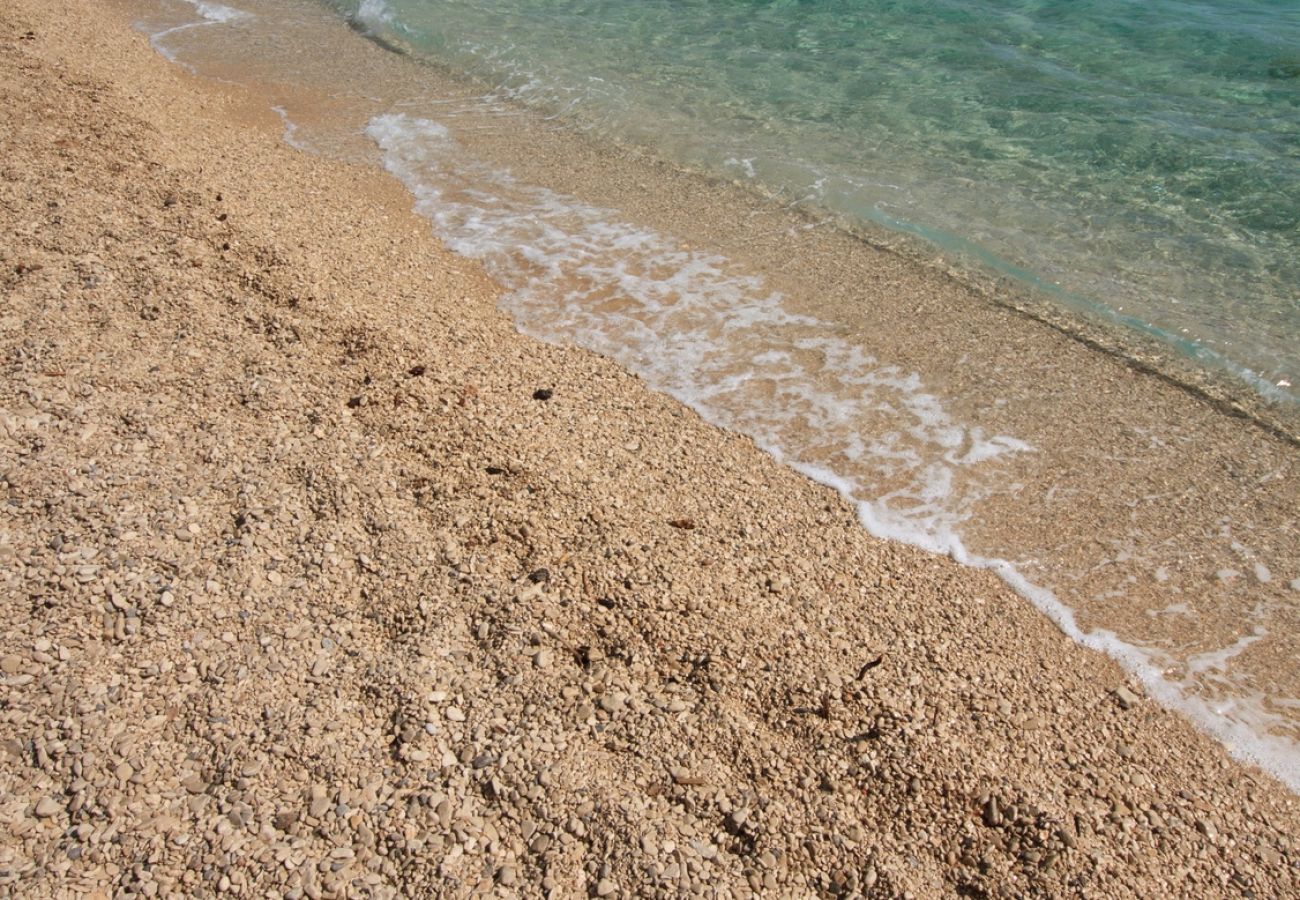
<point>320,580</point>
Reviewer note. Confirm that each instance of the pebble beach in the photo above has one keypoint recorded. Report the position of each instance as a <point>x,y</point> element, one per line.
<point>320,580</point>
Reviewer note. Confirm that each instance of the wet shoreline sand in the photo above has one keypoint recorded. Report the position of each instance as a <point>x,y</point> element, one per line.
<point>319,578</point>
<point>1155,508</point>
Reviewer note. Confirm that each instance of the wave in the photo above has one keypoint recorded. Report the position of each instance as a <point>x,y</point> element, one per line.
<point>719,340</point>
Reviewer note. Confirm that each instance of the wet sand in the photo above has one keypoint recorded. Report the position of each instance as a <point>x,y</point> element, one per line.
<point>319,578</point>
<point>1157,502</point>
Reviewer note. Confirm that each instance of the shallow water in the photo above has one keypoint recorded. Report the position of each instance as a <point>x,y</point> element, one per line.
<point>1145,523</point>
<point>1140,160</point>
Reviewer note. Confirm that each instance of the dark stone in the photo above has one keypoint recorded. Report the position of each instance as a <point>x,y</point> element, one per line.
<point>1284,68</point>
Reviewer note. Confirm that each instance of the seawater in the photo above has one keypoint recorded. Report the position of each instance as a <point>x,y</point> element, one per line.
<point>1136,160</point>
<point>716,332</point>
<point>701,328</point>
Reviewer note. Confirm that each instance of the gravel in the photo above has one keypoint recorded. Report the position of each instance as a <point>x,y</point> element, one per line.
<point>264,641</point>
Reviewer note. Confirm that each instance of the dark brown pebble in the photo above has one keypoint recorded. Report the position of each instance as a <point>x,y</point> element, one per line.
<point>869,665</point>
<point>684,524</point>
<point>540,576</point>
<point>992,814</point>
<point>416,371</point>
<point>543,394</point>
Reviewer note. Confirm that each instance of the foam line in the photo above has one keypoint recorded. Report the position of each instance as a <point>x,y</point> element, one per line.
<point>290,135</point>
<point>719,340</point>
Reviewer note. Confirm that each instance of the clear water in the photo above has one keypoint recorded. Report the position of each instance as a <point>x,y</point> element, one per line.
<point>1138,159</point>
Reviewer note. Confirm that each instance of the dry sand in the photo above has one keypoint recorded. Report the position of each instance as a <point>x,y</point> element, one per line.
<point>319,580</point>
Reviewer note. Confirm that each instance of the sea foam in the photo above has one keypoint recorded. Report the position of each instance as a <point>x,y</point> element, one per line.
<point>373,16</point>
<point>717,338</point>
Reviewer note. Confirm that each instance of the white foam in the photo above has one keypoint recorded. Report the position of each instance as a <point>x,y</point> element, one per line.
<point>291,130</point>
<point>746,166</point>
<point>718,339</point>
<point>216,13</point>
<point>374,15</point>
<point>1217,660</point>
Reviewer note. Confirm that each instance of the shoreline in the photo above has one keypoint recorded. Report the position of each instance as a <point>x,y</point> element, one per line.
<point>1144,510</point>
<point>1213,383</point>
<point>285,614</point>
<point>1223,383</point>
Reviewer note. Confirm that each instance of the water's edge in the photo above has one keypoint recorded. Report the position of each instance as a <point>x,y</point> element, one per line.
<point>1142,353</point>
<point>1192,366</point>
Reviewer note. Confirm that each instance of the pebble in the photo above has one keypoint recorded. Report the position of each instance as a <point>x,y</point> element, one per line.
<point>286,596</point>
<point>992,813</point>
<point>684,776</point>
<point>1127,699</point>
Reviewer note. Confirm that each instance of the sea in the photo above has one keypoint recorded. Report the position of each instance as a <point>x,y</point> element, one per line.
<point>1019,278</point>
<point>1137,159</point>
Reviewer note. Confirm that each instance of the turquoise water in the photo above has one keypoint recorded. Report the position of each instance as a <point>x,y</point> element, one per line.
<point>1137,159</point>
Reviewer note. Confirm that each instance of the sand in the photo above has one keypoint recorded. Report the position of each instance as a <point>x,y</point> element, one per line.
<point>1147,500</point>
<point>320,580</point>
